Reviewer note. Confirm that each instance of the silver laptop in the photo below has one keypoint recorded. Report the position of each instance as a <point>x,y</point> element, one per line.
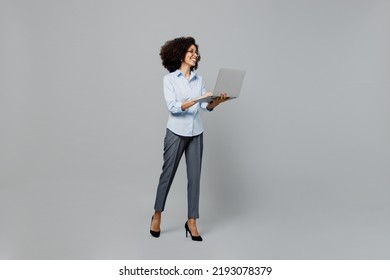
<point>229,81</point>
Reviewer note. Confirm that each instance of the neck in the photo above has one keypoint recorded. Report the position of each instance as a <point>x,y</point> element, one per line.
<point>185,69</point>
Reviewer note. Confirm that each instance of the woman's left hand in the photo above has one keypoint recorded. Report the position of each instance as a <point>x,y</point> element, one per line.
<point>216,101</point>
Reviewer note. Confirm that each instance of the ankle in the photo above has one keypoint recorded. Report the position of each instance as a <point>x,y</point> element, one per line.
<point>191,222</point>
<point>157,215</point>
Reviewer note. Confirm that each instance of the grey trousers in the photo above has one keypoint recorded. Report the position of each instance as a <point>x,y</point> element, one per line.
<point>174,147</point>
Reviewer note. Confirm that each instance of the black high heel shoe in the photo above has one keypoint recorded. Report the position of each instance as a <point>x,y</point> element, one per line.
<point>154,233</point>
<point>194,238</point>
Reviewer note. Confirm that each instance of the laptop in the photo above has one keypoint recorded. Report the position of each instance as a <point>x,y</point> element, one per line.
<point>229,81</point>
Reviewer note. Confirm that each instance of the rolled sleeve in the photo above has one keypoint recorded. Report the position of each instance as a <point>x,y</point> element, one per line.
<point>173,105</point>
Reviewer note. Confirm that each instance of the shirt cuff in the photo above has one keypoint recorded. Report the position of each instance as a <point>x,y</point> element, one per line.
<point>204,105</point>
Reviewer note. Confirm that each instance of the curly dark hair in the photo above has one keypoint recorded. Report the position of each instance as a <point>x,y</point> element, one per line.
<point>173,52</point>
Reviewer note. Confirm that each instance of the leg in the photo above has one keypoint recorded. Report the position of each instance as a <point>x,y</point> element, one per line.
<point>194,165</point>
<point>173,150</point>
<point>194,153</point>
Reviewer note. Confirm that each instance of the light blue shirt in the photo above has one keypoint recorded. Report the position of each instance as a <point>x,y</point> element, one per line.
<point>177,89</point>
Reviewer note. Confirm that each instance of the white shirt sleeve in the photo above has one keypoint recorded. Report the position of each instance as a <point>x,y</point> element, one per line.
<point>173,105</point>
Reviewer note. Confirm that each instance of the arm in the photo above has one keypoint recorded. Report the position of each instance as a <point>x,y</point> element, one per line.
<point>174,106</point>
<point>189,103</point>
<point>177,107</point>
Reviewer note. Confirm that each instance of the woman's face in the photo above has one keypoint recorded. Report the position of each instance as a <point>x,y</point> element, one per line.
<point>191,56</point>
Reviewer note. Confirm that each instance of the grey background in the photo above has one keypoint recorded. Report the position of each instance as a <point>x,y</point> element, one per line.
<point>297,168</point>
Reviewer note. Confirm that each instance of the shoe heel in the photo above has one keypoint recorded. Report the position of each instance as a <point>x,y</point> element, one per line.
<point>187,229</point>
<point>194,238</point>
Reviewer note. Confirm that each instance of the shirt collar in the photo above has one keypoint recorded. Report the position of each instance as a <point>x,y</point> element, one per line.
<point>193,75</point>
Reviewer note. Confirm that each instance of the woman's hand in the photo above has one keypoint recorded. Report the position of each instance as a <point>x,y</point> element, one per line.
<point>216,101</point>
<point>207,94</point>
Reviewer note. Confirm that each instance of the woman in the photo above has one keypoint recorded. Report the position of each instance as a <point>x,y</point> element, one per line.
<point>182,91</point>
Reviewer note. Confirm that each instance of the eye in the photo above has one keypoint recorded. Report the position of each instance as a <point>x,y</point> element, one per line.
<point>193,51</point>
